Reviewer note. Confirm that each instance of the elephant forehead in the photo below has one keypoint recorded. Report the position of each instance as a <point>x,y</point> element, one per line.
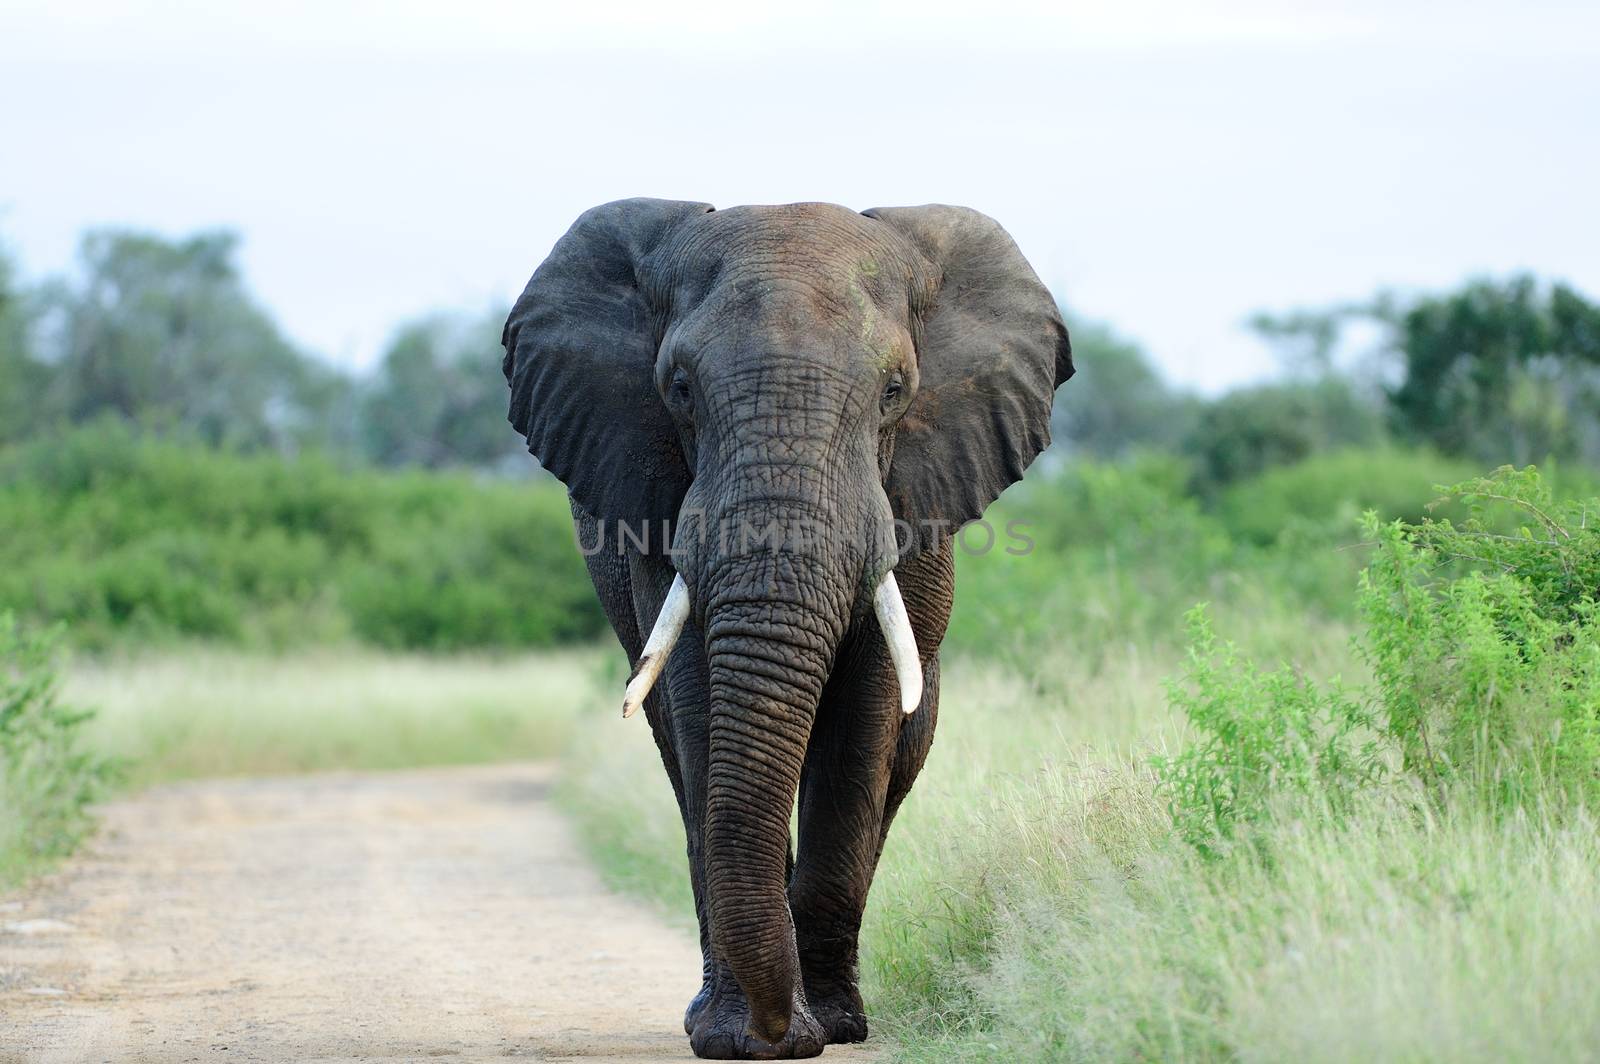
<point>823,246</point>
<point>761,317</point>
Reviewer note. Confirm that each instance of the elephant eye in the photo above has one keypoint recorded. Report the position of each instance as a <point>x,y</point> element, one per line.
<point>893,390</point>
<point>680,385</point>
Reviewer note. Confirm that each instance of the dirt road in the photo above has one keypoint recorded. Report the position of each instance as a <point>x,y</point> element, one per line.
<point>399,916</point>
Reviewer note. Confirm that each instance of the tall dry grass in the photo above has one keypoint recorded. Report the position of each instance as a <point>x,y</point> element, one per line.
<point>212,711</point>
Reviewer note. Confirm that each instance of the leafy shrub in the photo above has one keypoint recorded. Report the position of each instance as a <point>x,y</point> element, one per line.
<point>1490,672</point>
<point>1117,552</point>
<point>131,538</point>
<point>1120,551</point>
<point>1484,645</point>
<point>1251,430</point>
<point>1128,506</point>
<point>46,782</point>
<point>1261,739</point>
<point>501,570</point>
<point>1323,497</point>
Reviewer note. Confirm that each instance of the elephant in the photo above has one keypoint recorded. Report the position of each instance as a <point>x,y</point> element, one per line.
<point>876,378</point>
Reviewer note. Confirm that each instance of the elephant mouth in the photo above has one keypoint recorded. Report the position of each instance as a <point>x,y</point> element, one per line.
<point>887,604</point>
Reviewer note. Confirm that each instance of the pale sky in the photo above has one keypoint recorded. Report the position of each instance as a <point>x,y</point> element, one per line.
<point>1168,167</point>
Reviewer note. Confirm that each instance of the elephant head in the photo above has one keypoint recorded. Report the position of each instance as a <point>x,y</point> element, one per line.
<point>743,374</point>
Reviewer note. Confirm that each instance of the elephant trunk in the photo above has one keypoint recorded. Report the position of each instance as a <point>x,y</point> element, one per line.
<point>773,623</point>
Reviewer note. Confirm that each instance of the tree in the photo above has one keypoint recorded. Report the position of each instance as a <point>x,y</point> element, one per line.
<point>1117,402</point>
<point>163,334</point>
<point>1253,429</point>
<point>22,377</point>
<point>1305,340</point>
<point>439,398</point>
<point>1500,371</point>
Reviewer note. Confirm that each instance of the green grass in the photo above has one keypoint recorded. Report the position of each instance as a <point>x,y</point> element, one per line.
<point>1091,935</point>
<point>210,711</point>
<point>617,793</point>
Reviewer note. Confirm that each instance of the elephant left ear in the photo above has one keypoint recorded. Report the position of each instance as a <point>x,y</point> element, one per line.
<point>992,351</point>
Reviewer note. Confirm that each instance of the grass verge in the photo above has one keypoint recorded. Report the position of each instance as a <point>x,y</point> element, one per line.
<point>218,712</point>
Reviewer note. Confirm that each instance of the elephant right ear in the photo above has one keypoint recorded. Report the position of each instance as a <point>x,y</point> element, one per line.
<point>580,358</point>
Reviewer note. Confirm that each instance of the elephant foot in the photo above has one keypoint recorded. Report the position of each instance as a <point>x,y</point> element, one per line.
<point>697,1005</point>
<point>722,1031</point>
<point>841,1022</point>
<point>839,1009</point>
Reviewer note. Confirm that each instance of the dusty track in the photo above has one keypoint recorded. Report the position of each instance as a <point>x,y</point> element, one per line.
<point>401,916</point>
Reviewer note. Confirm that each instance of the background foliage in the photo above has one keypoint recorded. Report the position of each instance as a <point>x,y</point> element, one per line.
<point>134,539</point>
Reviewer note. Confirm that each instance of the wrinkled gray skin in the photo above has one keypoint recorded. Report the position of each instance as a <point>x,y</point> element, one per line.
<point>779,364</point>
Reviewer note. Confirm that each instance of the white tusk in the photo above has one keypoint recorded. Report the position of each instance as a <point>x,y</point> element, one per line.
<point>658,648</point>
<point>891,610</point>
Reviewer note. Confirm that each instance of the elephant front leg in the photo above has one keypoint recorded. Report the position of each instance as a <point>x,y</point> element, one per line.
<point>685,732</point>
<point>864,756</point>
<point>633,590</point>
<point>843,793</point>
<point>718,1016</point>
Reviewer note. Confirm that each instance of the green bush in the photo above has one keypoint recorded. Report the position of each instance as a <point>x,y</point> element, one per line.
<point>1261,740</point>
<point>1120,552</point>
<point>46,781</point>
<point>131,539</point>
<point>1484,646</point>
<point>501,569</point>
<point>1324,497</point>
<point>1116,552</point>
<point>1484,641</point>
<point>1251,430</point>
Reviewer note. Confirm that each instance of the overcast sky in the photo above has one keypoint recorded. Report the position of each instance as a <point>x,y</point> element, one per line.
<point>1168,167</point>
